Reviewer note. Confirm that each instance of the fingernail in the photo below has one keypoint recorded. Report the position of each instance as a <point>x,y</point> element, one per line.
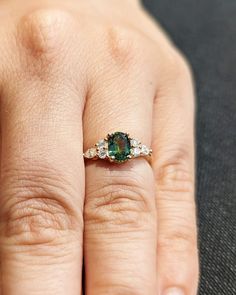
<point>174,291</point>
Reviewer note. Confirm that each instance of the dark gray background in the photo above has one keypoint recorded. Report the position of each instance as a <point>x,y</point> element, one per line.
<point>205,30</point>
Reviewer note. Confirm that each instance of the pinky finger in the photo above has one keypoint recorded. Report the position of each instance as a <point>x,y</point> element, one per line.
<point>173,145</point>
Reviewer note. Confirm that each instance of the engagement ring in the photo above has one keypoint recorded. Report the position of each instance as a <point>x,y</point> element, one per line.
<point>117,147</point>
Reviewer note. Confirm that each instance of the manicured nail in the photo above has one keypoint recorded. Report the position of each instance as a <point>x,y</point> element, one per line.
<point>174,291</point>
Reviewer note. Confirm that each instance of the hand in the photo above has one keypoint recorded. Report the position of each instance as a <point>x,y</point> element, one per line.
<point>71,72</point>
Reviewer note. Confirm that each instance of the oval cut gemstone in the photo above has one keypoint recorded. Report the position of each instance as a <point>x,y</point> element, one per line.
<point>119,146</point>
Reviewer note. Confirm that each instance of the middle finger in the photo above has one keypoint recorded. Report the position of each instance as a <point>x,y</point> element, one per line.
<point>42,171</point>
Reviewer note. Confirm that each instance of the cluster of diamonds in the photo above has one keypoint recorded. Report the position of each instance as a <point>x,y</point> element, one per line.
<point>100,151</point>
<point>138,149</point>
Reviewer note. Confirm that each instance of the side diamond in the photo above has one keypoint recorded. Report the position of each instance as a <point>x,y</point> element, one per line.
<point>90,153</point>
<point>102,153</point>
<point>135,152</point>
<point>101,144</point>
<point>102,148</point>
<point>145,150</point>
<point>134,143</point>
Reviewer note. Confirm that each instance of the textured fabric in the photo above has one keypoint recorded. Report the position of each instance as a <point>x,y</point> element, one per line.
<point>205,30</point>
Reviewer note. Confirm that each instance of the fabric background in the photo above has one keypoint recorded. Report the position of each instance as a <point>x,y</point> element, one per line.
<point>205,30</point>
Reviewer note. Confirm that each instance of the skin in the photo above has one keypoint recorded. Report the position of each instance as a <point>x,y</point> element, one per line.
<point>71,72</point>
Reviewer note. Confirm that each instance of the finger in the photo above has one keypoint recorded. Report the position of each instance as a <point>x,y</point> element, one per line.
<point>42,176</point>
<point>120,214</point>
<point>173,149</point>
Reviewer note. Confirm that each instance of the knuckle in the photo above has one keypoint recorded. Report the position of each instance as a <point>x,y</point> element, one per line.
<point>183,64</point>
<point>123,46</point>
<point>36,220</point>
<point>175,196</point>
<point>180,240</point>
<point>43,35</point>
<point>124,202</point>
<point>118,203</point>
<point>37,207</point>
<point>174,173</point>
<point>178,65</point>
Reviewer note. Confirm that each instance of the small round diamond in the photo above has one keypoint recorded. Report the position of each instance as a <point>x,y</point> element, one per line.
<point>90,153</point>
<point>145,150</point>
<point>102,153</point>
<point>135,152</point>
<point>134,143</point>
<point>101,143</point>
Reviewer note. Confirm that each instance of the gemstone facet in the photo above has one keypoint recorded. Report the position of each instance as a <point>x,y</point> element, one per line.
<point>119,147</point>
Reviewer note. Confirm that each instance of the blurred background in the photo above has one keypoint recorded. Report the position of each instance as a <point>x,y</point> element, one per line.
<point>205,31</point>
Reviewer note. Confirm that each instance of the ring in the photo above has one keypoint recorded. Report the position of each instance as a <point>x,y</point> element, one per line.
<point>117,147</point>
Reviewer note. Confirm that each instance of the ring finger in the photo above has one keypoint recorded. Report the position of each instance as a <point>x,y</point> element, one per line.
<point>120,214</point>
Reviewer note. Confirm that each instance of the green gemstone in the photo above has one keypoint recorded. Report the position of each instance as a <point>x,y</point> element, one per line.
<point>119,146</point>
